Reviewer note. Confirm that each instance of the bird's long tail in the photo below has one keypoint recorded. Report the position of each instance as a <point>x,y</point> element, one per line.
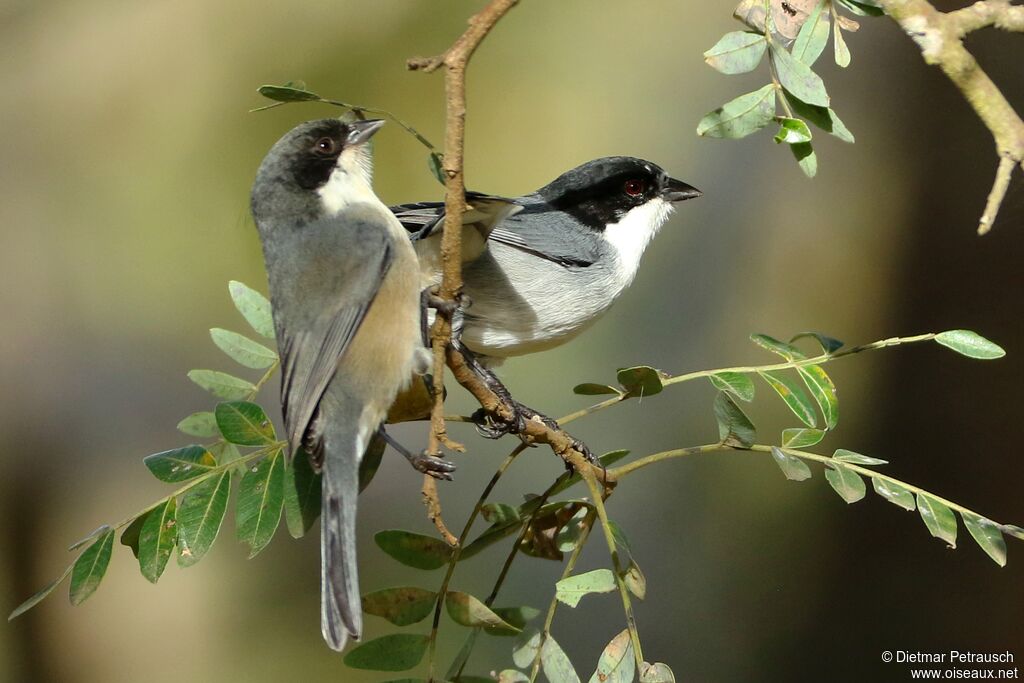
<point>341,614</point>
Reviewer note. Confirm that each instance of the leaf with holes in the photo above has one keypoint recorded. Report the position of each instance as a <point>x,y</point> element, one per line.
<point>793,467</point>
<point>824,392</point>
<point>740,117</point>
<point>180,464</point>
<point>737,52</point>
<point>244,423</point>
<point>414,550</point>
<point>846,483</point>
<point>157,539</point>
<point>89,568</point>
<point>394,652</point>
<point>987,535</point>
<point>793,395</point>
<point>243,350</point>
<point>200,516</point>
<point>734,427</point>
<point>260,500</point>
<point>466,610</point>
<point>738,384</point>
<point>939,519</point>
<point>571,589</point>
<point>970,344</point>
<point>254,307</point>
<point>401,606</point>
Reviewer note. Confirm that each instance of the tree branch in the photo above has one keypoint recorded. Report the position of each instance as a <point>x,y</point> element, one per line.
<point>940,37</point>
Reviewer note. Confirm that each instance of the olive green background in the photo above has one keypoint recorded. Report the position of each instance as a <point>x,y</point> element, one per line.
<point>127,158</point>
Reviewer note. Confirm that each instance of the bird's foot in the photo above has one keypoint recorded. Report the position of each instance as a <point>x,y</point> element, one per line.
<point>433,465</point>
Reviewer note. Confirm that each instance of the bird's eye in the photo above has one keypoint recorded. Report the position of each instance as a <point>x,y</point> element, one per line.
<point>634,188</point>
<point>324,146</point>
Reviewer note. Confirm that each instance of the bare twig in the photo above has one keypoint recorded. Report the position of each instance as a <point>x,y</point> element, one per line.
<point>940,37</point>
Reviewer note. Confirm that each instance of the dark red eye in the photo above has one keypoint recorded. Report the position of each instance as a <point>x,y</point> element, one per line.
<point>634,188</point>
<point>324,146</point>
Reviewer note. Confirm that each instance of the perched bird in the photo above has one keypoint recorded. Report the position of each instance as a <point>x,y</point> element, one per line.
<point>345,289</point>
<point>540,269</point>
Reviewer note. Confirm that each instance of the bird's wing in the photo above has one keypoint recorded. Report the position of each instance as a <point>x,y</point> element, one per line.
<point>425,219</point>
<point>548,234</point>
<point>310,352</point>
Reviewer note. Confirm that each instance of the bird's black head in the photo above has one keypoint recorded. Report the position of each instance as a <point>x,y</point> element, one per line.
<point>602,191</point>
<point>302,162</point>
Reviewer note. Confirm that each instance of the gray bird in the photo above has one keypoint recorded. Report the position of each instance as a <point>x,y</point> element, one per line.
<point>345,289</point>
<point>540,269</point>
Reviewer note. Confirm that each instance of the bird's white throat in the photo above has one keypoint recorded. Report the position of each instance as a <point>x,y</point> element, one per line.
<point>631,235</point>
<point>350,182</point>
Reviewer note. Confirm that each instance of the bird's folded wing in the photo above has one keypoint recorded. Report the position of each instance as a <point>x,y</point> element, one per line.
<point>424,219</point>
<point>548,234</point>
<point>310,353</point>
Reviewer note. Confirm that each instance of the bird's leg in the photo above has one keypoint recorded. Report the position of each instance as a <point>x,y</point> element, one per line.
<point>436,467</point>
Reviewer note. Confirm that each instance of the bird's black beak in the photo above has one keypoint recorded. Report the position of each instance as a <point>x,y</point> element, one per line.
<point>676,191</point>
<point>361,131</point>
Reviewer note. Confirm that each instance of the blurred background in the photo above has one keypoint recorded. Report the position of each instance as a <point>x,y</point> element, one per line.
<point>128,154</point>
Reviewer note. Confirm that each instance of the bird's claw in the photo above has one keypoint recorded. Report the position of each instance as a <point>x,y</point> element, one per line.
<point>432,465</point>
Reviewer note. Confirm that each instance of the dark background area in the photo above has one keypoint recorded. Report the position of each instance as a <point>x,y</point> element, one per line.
<point>128,153</point>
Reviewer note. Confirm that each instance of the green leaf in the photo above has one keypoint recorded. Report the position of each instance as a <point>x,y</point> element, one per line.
<point>591,389</point>
<point>39,596</point>
<point>435,162</point>
<point>301,495</point>
<point>242,349</point>
<point>556,665</point>
<point>517,617</point>
<point>467,610</point>
<point>856,458</point>
<point>789,390</point>
<point>842,52</point>
<point>823,391</point>
<point>939,519</point>
<point>740,117</point>
<point>284,93</point>
<point>640,381</point>
<point>635,580</point>
<point>394,652</point>
<point>254,307</point>
<point>894,493</point>
<point>414,550</point>
<point>89,569</point>
<point>737,52</point>
<point>822,117</point>
<point>828,344</point>
<point>157,539</point>
<point>180,464</point>
<point>813,36</point>
<point>222,385</point>
<point>846,483</point>
<point>370,462</point>
<point>734,427</point>
<point>605,461</point>
<point>260,499</point>
<point>401,606</point>
<point>571,589</point>
<point>657,673</point>
<point>793,467</point>
<point>616,663</point>
<point>202,424</point>
<point>130,536</point>
<point>737,383</point>
<point>526,647</point>
<point>499,513</point>
<point>792,131</point>
<point>512,676</point>
<point>805,158</point>
<point>801,438</point>
<point>200,515</point>
<point>970,344</point>
<point>988,535</point>
<point>787,351</point>
<point>244,423</point>
<point>797,77</point>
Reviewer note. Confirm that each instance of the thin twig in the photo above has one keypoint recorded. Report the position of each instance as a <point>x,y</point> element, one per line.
<point>995,197</point>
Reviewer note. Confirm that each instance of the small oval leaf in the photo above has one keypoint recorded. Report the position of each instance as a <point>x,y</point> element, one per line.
<point>640,381</point>
<point>824,392</point>
<point>657,673</point>
<point>284,93</point>
<point>988,535</point>
<point>253,306</point>
<point>571,589</point>
<point>243,350</point>
<point>89,568</point>
<point>970,344</point>
<point>401,606</point>
<point>801,438</point>
<point>894,493</point>
<point>527,645</point>
<point>846,483</point>
<point>414,550</point>
<point>200,516</point>
<point>737,383</point>
<point>467,610</point>
<point>203,425</point>
<point>180,464</point>
<point>394,652</point>
<point>244,423</point>
<point>301,495</point>
<point>260,500</point>
<point>793,395</point>
<point>556,664</point>
<point>797,77</point>
<point>157,538</point>
<point>737,52</point>
<point>787,351</point>
<point>939,519</point>
<point>616,663</point>
<point>591,389</point>
<point>38,596</point>
<point>793,467</point>
<point>844,455</point>
<point>740,117</point>
<point>734,427</point>
<point>222,385</point>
